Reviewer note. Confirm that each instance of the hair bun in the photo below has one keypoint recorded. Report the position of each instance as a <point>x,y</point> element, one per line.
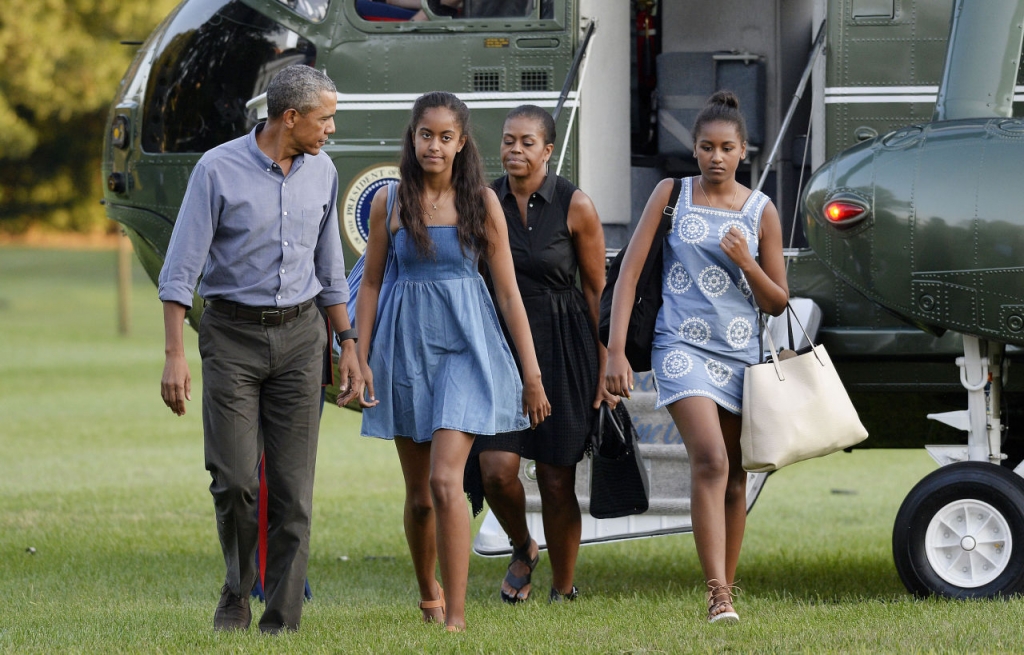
<point>727,98</point>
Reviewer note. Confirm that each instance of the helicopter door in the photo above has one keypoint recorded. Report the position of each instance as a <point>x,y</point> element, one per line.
<point>687,79</point>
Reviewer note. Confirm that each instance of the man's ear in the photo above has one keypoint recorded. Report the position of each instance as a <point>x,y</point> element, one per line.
<point>290,117</point>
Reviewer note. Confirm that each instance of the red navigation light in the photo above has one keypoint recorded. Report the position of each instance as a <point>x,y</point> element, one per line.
<point>843,213</point>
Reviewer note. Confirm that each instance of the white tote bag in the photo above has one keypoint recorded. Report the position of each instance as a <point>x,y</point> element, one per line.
<point>795,409</point>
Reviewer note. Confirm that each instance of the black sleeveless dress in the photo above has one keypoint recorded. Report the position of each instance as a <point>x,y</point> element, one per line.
<point>563,334</point>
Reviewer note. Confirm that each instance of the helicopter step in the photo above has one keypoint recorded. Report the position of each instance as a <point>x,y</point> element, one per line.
<point>668,469</point>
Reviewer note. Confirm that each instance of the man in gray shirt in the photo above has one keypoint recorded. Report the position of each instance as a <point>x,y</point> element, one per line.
<point>259,221</point>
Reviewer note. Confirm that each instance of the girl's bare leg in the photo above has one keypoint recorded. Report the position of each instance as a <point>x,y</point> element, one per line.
<point>448,455</point>
<point>698,423</point>
<point>419,519</point>
<point>735,494</point>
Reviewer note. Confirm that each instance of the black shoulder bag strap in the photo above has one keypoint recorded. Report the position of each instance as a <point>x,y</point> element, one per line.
<point>670,208</point>
<point>654,258</point>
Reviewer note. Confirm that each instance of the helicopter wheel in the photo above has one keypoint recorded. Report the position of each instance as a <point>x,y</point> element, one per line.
<point>960,533</point>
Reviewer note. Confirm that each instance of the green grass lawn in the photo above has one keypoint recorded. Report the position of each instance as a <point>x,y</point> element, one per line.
<point>109,489</point>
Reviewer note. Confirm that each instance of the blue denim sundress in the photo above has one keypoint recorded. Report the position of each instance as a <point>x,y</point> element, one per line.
<point>438,356</point>
<point>706,332</point>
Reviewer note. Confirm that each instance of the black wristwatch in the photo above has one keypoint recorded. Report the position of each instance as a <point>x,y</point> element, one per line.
<point>345,335</point>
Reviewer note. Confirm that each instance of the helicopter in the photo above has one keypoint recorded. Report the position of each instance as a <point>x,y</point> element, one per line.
<point>925,222</point>
<point>882,268</point>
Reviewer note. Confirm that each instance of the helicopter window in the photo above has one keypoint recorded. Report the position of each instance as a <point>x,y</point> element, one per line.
<point>387,10</point>
<point>206,68</point>
<point>406,10</point>
<point>314,10</point>
<point>494,8</point>
<point>505,8</point>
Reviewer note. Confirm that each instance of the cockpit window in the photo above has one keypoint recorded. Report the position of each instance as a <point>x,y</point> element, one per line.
<point>402,10</point>
<point>211,60</point>
<point>314,10</point>
<point>499,8</point>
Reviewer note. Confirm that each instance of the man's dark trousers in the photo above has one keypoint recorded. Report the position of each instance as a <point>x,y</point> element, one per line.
<point>263,376</point>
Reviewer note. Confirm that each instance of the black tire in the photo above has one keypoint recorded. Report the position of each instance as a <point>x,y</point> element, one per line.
<point>990,501</point>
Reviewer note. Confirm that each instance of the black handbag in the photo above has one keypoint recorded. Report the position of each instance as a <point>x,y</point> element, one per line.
<point>619,485</point>
<point>640,333</point>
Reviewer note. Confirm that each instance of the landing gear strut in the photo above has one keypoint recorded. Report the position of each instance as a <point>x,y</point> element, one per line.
<point>960,531</point>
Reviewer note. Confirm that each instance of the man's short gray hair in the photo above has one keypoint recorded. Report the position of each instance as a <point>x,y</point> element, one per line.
<point>297,87</point>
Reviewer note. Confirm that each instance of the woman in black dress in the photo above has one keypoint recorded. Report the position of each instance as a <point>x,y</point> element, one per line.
<point>554,232</point>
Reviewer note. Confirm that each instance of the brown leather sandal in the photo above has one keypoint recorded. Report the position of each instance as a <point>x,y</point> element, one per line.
<point>719,598</point>
<point>433,605</point>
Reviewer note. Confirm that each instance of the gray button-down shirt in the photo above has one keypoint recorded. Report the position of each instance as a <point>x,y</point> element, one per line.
<point>259,238</point>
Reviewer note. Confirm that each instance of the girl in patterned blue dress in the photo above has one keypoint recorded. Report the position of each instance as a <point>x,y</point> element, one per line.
<point>722,261</point>
<point>437,369</point>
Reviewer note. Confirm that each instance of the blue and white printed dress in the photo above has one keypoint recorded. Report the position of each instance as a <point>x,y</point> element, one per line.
<point>706,332</point>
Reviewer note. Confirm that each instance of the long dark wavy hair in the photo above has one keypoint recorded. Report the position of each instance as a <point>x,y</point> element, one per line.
<point>467,180</point>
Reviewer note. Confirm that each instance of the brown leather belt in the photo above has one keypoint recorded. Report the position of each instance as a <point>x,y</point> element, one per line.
<point>261,315</point>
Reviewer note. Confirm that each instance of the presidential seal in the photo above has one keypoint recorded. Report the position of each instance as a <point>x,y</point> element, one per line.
<point>355,203</point>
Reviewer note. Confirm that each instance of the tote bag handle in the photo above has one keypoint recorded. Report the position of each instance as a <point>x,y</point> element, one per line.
<point>790,314</point>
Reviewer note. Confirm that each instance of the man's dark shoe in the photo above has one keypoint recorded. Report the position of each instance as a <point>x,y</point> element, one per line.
<point>276,629</point>
<point>232,612</point>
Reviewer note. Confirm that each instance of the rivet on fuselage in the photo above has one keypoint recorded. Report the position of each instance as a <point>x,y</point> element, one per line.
<point>1015,322</point>
<point>926,302</point>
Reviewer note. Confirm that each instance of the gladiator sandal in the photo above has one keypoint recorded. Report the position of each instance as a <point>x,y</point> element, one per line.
<point>719,598</point>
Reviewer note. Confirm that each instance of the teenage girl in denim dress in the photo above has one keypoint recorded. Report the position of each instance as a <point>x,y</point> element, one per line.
<point>436,366</point>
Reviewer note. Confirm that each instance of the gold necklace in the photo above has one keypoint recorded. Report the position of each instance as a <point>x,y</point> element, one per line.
<point>700,181</point>
<point>433,205</point>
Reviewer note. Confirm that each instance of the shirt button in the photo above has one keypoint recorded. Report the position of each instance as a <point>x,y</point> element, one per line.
<point>284,184</point>
<point>530,229</point>
<point>282,270</point>
<point>279,297</point>
<point>286,243</point>
<point>531,204</point>
<point>286,213</point>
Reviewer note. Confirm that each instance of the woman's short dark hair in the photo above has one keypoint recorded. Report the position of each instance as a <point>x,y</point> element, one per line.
<point>538,114</point>
<point>721,106</point>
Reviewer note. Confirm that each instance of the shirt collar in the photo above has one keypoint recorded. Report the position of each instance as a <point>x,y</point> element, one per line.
<point>261,157</point>
<point>546,190</point>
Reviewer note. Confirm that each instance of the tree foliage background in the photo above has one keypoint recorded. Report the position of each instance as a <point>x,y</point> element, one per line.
<point>60,64</point>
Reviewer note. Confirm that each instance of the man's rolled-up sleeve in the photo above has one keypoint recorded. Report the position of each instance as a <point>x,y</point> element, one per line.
<point>329,258</point>
<point>189,246</point>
